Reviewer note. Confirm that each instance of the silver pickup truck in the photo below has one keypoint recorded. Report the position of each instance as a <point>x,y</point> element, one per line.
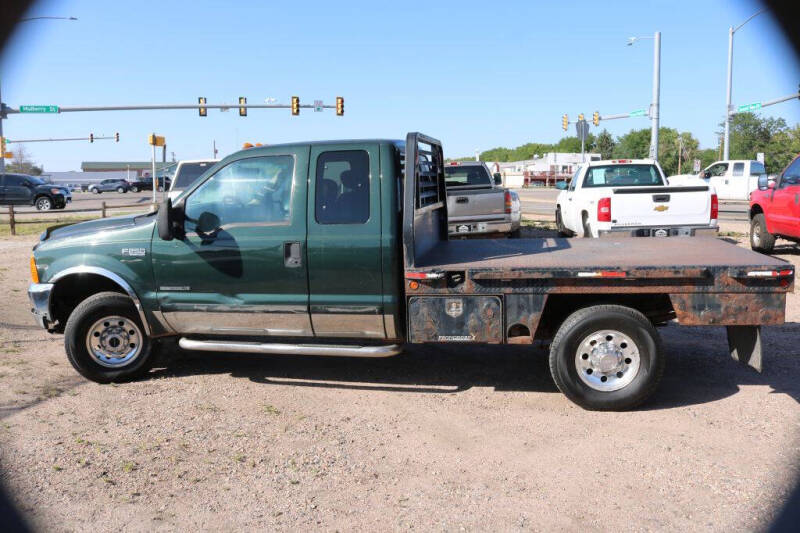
<point>477,203</point>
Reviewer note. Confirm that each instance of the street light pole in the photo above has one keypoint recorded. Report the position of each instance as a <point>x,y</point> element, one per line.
<point>654,107</point>
<point>729,88</point>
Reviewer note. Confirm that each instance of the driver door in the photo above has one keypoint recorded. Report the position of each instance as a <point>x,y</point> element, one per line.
<point>241,267</point>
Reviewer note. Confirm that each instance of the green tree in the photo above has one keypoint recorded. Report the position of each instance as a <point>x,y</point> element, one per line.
<point>605,144</point>
<point>751,134</point>
<point>633,145</point>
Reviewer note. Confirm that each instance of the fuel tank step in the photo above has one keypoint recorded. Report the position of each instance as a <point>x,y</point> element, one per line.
<point>290,349</point>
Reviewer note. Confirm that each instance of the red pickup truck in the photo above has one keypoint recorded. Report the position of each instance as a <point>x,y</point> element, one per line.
<point>775,209</point>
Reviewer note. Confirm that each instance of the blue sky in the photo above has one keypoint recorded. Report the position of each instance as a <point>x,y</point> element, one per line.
<point>473,74</point>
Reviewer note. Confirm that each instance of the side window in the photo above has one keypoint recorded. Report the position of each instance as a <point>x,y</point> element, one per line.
<point>14,181</point>
<point>253,190</point>
<point>738,169</point>
<point>718,169</point>
<point>342,187</point>
<point>791,176</point>
<point>574,181</point>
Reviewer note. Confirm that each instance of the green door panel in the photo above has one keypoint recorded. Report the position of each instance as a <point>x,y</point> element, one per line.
<point>249,276</point>
<point>344,241</point>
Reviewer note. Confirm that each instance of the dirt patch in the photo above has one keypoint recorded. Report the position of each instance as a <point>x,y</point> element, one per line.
<point>437,438</point>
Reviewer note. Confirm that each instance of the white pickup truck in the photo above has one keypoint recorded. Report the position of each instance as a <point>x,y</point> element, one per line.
<point>732,179</point>
<point>631,197</point>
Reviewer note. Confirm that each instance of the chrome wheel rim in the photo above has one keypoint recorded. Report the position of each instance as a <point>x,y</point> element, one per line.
<point>607,360</point>
<point>756,234</point>
<point>43,204</point>
<point>114,341</point>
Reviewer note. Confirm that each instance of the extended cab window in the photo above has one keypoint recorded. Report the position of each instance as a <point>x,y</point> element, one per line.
<point>253,190</point>
<point>738,169</point>
<point>622,176</point>
<point>342,187</point>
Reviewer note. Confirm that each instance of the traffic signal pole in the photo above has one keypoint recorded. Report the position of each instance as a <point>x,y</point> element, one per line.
<point>8,141</point>
<point>654,107</point>
<point>81,109</point>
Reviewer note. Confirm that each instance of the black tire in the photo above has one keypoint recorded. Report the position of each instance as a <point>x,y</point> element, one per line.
<point>578,327</point>
<point>760,239</point>
<point>562,229</point>
<point>90,311</point>
<point>587,229</point>
<point>44,203</point>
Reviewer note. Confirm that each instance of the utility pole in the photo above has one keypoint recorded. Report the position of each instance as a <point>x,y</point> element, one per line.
<point>654,107</point>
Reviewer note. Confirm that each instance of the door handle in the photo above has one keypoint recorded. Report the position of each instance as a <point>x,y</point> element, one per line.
<point>291,255</point>
<point>462,200</point>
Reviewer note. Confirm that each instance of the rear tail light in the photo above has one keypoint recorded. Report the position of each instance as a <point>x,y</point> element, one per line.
<point>714,207</point>
<point>508,202</point>
<point>604,210</point>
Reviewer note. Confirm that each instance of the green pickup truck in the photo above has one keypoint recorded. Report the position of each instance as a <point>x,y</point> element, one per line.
<point>341,249</point>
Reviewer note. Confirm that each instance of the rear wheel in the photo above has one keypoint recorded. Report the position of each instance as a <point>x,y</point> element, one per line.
<point>760,239</point>
<point>44,203</point>
<point>105,340</point>
<point>95,190</point>
<point>587,229</point>
<point>607,358</point>
<point>134,188</point>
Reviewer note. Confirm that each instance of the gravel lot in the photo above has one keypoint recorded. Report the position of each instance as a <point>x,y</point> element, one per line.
<point>437,438</point>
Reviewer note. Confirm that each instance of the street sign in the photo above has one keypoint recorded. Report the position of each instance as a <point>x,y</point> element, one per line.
<point>638,113</point>
<point>696,166</point>
<point>760,157</point>
<point>749,107</point>
<point>317,106</point>
<point>582,129</point>
<point>38,109</point>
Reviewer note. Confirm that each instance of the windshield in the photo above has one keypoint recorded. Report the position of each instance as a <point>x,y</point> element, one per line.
<point>189,172</point>
<point>36,181</point>
<point>467,176</point>
<point>623,176</point>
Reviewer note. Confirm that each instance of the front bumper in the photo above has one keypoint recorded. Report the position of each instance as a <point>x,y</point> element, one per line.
<point>665,231</point>
<point>39,295</point>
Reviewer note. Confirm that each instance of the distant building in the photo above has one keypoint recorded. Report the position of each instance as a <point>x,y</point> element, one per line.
<point>133,169</point>
<point>545,170</point>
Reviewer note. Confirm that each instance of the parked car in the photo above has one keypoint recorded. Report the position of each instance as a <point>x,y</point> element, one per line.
<point>775,209</point>
<point>146,184</point>
<point>732,180</point>
<point>186,173</point>
<point>477,203</point>
<point>283,249</point>
<point>109,185</point>
<point>22,189</point>
<point>631,197</point>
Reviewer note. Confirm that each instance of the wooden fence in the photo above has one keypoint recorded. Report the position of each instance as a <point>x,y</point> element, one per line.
<point>103,209</point>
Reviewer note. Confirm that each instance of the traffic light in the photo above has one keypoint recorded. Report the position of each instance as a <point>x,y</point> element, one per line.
<point>116,137</point>
<point>295,105</point>
<point>242,110</point>
<point>91,137</point>
<point>580,117</point>
<point>564,122</point>
<point>2,145</point>
<point>202,110</point>
<point>596,118</point>
<point>339,106</point>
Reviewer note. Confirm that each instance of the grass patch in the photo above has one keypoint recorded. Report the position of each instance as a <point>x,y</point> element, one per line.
<point>271,410</point>
<point>39,225</point>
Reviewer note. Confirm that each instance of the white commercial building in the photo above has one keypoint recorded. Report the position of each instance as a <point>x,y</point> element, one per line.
<point>544,170</point>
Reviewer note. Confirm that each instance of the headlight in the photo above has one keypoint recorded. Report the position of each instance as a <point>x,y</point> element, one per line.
<point>56,191</point>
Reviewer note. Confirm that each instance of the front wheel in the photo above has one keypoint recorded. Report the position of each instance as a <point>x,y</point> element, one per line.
<point>120,190</point>
<point>44,204</point>
<point>95,191</point>
<point>606,358</point>
<point>105,340</point>
<point>760,239</point>
<point>134,189</point>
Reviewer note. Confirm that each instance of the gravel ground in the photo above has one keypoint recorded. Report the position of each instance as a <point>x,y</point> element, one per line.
<point>437,438</point>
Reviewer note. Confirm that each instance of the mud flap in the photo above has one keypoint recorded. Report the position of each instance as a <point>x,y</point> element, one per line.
<point>744,344</point>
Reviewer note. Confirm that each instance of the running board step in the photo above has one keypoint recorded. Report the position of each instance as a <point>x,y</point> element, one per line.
<point>290,349</point>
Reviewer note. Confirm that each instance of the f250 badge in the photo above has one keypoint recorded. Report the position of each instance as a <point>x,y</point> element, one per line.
<point>454,308</point>
<point>134,252</point>
<point>661,208</point>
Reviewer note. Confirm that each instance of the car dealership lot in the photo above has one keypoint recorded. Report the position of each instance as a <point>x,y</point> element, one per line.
<point>438,437</point>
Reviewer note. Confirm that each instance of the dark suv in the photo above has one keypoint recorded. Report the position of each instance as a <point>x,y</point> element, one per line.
<point>109,186</point>
<point>21,189</point>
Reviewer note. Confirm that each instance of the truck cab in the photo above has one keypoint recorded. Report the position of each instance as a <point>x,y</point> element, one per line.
<point>731,179</point>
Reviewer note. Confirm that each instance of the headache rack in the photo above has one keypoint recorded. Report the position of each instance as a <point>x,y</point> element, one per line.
<point>425,213</point>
